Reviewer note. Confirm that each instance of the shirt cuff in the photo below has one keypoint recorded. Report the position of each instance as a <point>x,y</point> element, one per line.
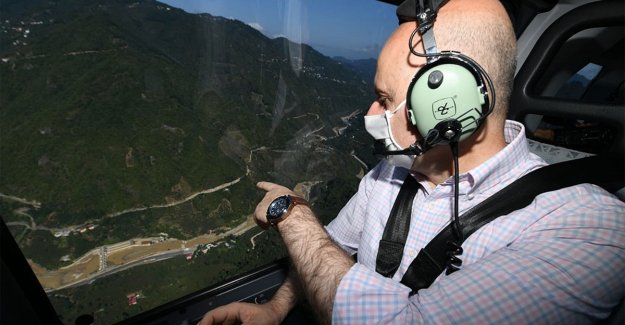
<point>366,297</point>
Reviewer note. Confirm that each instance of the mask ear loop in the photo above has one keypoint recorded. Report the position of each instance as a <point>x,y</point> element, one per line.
<point>387,116</point>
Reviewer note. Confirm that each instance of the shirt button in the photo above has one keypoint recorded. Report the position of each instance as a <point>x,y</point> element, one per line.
<point>412,253</point>
<point>470,196</point>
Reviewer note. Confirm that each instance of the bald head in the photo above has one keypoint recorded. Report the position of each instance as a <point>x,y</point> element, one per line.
<point>479,29</point>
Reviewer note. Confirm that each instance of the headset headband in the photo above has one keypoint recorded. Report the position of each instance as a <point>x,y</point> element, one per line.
<point>426,11</point>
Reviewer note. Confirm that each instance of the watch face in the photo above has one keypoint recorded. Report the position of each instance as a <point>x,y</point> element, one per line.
<point>278,207</point>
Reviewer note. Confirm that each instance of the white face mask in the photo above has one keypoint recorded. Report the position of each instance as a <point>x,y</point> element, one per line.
<point>379,127</point>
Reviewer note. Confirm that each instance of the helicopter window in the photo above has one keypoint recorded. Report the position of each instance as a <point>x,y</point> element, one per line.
<point>132,134</point>
<point>588,69</point>
<point>577,85</point>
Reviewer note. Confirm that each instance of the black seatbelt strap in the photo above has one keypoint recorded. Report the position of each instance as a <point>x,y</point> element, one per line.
<point>391,247</point>
<point>607,172</point>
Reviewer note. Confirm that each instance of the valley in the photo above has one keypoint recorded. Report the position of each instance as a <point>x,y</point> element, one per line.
<point>132,135</point>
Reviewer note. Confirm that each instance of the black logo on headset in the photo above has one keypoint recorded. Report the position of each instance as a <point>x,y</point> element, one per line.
<point>444,108</point>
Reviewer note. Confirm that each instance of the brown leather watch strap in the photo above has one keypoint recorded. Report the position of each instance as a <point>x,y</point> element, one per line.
<point>296,200</point>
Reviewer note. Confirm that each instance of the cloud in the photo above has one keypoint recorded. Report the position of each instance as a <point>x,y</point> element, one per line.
<point>257,26</point>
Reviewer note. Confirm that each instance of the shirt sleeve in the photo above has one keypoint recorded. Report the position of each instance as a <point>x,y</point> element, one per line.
<point>366,297</point>
<point>564,268</point>
<point>346,228</point>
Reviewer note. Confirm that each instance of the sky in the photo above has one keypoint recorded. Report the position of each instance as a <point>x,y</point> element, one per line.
<point>355,29</point>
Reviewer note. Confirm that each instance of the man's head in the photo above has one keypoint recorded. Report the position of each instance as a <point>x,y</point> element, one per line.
<point>479,29</point>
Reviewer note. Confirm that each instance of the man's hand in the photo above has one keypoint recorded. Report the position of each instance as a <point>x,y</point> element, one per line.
<point>273,191</point>
<point>242,313</point>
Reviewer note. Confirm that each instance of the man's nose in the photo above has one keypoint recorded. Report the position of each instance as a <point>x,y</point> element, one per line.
<point>375,108</point>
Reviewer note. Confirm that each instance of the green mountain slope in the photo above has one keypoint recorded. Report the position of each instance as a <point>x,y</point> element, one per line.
<point>107,105</point>
<point>139,119</point>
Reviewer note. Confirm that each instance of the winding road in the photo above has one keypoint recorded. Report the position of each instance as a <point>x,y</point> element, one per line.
<point>76,270</point>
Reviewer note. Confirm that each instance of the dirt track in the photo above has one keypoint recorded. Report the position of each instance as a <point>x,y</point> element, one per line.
<point>124,253</point>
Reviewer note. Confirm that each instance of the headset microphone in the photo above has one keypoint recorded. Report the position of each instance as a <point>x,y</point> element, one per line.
<point>443,133</point>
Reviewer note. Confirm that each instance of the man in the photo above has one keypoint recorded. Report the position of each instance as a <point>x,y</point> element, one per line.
<point>559,260</point>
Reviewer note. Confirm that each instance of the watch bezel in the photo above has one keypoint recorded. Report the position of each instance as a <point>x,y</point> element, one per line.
<point>272,215</point>
<point>288,202</point>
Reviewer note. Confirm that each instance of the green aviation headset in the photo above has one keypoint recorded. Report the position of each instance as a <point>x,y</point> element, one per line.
<point>448,98</point>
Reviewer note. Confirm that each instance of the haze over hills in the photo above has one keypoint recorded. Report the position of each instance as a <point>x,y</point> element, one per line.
<point>365,68</point>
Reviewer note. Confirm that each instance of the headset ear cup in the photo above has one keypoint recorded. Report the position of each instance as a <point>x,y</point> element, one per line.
<point>447,89</point>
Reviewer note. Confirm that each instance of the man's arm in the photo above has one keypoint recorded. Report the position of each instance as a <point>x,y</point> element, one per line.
<point>272,312</point>
<point>286,297</point>
<point>320,263</point>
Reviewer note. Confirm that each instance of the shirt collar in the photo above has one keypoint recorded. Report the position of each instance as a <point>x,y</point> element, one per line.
<point>496,169</point>
<point>500,167</point>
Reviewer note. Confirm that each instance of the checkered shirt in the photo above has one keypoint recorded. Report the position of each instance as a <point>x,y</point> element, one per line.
<point>560,260</point>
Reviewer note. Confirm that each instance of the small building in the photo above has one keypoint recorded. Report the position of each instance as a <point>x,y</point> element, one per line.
<point>132,298</point>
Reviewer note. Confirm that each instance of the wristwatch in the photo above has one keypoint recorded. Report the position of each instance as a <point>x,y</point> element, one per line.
<point>281,207</point>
